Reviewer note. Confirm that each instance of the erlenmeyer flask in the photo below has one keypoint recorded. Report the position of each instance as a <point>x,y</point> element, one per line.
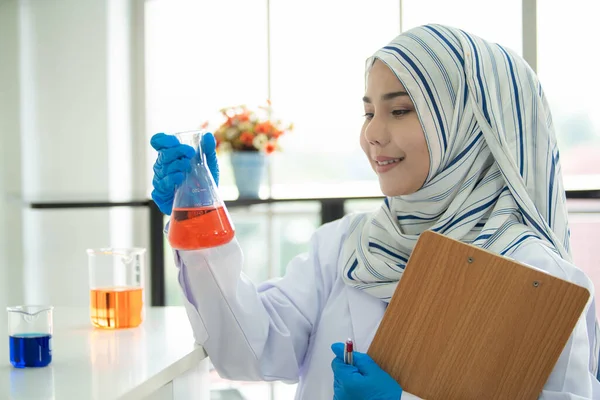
<point>199,218</point>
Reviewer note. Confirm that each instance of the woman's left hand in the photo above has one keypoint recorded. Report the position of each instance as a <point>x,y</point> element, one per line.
<point>364,380</point>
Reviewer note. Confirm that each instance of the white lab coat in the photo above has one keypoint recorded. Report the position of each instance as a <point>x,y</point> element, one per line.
<point>283,329</point>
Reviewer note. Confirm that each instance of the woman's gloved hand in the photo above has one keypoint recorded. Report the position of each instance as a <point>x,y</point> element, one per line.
<point>362,381</point>
<point>173,162</point>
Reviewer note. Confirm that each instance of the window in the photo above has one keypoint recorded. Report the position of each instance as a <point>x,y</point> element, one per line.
<point>318,53</point>
<point>498,21</point>
<point>200,57</point>
<point>270,236</point>
<point>567,66</point>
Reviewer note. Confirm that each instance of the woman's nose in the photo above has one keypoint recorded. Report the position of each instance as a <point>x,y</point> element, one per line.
<point>376,133</point>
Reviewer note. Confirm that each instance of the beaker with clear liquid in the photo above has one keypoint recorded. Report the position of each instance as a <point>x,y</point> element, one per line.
<point>199,218</point>
<point>30,335</point>
<point>116,277</point>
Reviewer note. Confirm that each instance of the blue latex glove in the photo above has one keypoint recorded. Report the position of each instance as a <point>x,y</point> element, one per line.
<point>173,162</point>
<point>362,381</point>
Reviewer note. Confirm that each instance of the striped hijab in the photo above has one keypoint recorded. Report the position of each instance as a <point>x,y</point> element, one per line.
<point>494,178</point>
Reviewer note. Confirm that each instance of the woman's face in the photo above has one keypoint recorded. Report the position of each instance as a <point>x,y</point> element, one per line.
<point>392,136</point>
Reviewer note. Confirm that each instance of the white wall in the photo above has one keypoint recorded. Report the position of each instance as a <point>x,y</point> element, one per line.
<point>10,164</point>
<point>72,107</point>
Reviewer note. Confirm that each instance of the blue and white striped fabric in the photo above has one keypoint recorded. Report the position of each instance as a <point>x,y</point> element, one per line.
<point>494,179</point>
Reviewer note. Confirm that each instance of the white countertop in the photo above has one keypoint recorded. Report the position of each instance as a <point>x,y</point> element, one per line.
<point>90,363</point>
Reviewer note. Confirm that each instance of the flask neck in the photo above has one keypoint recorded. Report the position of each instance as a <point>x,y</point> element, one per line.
<point>200,159</point>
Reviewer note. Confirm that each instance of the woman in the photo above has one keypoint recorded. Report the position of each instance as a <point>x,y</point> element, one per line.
<point>461,138</point>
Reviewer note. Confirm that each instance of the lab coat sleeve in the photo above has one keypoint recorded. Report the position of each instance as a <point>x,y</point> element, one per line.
<point>573,376</point>
<point>258,333</point>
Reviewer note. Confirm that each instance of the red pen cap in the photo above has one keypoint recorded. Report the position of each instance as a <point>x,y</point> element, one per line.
<point>349,345</point>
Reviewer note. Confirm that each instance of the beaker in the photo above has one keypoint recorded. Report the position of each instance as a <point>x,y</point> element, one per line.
<point>199,218</point>
<point>116,278</point>
<point>30,335</point>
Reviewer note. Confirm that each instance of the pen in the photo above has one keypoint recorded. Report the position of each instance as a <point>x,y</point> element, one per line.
<point>348,352</point>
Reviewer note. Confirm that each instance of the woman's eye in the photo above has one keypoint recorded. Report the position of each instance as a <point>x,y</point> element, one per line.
<point>399,113</point>
<point>368,115</point>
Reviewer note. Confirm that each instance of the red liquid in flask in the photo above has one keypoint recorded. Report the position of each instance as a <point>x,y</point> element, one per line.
<point>199,228</point>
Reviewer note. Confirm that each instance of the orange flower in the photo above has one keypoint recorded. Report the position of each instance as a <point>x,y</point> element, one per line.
<point>264,127</point>
<point>247,138</point>
<point>269,148</point>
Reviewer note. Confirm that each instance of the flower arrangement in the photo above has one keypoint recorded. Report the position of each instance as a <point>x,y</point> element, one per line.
<point>243,130</point>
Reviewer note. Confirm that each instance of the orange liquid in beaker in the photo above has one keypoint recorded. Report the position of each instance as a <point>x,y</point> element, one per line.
<point>115,308</point>
<point>199,228</point>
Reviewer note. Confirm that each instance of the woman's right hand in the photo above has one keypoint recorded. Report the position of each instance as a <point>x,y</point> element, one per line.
<point>173,162</point>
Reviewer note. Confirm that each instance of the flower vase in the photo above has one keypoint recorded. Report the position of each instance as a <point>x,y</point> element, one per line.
<point>248,171</point>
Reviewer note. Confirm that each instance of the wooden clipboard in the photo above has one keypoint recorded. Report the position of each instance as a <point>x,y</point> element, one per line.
<point>465,323</point>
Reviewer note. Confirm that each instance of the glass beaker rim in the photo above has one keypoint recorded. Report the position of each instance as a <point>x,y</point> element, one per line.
<point>26,309</point>
<point>116,251</point>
